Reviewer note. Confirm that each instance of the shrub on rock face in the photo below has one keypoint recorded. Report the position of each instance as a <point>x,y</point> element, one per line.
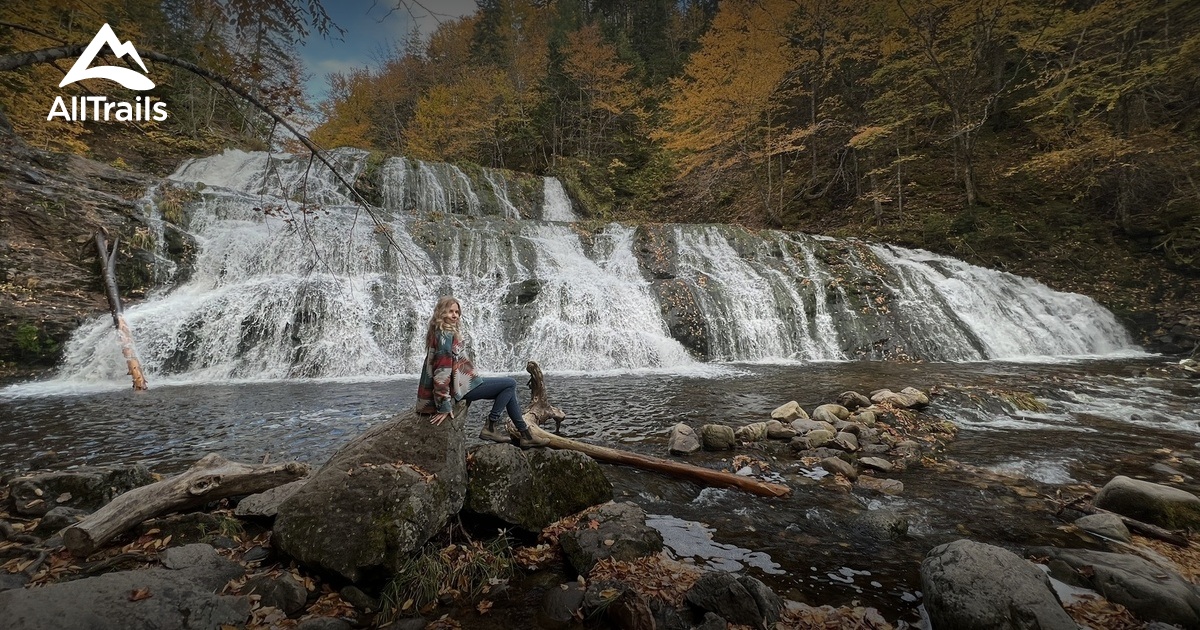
<point>1150,502</point>
<point>531,489</point>
<point>973,585</point>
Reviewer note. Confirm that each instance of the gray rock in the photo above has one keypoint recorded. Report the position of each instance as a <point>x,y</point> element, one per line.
<point>359,599</point>
<point>846,441</point>
<point>83,488</point>
<point>777,430</point>
<point>839,466</point>
<point>878,463</point>
<point>882,524</point>
<point>533,488</point>
<point>739,600</point>
<point>907,398</point>
<point>195,556</point>
<point>830,413</point>
<point>281,591</point>
<point>666,617</point>
<point>713,621</point>
<point>865,417</point>
<point>819,437</point>
<point>379,498</point>
<point>752,432</point>
<point>9,581</point>
<point>621,533</point>
<point>1149,591</point>
<point>560,605</point>
<point>889,487</point>
<point>266,504</point>
<point>1150,502</point>
<point>717,437</point>
<point>875,449</point>
<point>59,518</point>
<point>1106,525</point>
<point>972,585</point>
<point>805,425</point>
<point>853,400</point>
<point>789,412</point>
<point>683,440</point>
<point>177,598</point>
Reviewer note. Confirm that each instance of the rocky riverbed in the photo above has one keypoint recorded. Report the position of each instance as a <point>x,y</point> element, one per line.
<point>400,527</point>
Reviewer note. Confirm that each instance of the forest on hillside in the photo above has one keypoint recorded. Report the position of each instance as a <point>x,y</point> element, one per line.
<point>1006,132</point>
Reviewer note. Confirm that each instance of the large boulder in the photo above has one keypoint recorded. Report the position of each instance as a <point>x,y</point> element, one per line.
<point>181,594</point>
<point>1148,590</point>
<point>83,488</point>
<point>1150,502</point>
<point>788,412</point>
<point>379,498</point>
<point>738,599</point>
<point>531,489</point>
<point>613,530</point>
<point>973,585</point>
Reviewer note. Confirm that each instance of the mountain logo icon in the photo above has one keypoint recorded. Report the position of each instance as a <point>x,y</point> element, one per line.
<point>131,79</point>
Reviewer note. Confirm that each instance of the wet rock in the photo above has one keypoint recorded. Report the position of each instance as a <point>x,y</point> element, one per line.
<point>10,581</point>
<point>86,489</point>
<point>561,605</point>
<point>830,413</point>
<point>907,398</point>
<point>846,441</point>
<point>713,621</point>
<point>280,591</point>
<point>751,432</point>
<point>891,487</point>
<point>1106,525</point>
<point>878,463</point>
<point>717,437</point>
<point>1150,502</point>
<point>533,488</point>
<point>1168,471</point>
<point>853,400</point>
<point>789,412</point>
<point>1148,590</point>
<point>359,599</point>
<point>620,532</point>
<point>59,518</point>
<point>379,498</point>
<point>600,594</point>
<point>972,585</point>
<point>882,524</point>
<point>839,466</point>
<point>819,437</point>
<point>737,599</point>
<point>805,425</point>
<point>666,617</point>
<point>683,440</point>
<point>255,554</point>
<point>179,597</point>
<point>777,430</point>
<point>266,504</point>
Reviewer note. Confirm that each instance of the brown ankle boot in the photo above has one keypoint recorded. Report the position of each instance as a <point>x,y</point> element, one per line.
<point>529,440</point>
<point>494,431</point>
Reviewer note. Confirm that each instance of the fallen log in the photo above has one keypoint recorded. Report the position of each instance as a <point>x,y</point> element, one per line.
<point>212,477</point>
<point>540,410</point>
<point>699,474</point>
<point>1146,529</point>
<point>108,270</point>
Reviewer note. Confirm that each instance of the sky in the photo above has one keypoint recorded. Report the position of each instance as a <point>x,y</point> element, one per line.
<point>372,29</point>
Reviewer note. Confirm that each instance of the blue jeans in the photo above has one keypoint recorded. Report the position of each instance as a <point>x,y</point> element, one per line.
<point>503,391</point>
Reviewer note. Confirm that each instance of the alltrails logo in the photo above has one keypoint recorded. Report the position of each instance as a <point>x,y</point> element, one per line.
<point>143,108</point>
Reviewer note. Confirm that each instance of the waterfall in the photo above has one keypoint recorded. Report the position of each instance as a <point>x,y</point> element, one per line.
<point>291,281</point>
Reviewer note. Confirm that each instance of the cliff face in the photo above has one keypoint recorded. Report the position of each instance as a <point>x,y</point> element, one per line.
<point>51,205</point>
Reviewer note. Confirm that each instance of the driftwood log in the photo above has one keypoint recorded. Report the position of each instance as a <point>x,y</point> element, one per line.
<point>108,270</point>
<point>540,410</point>
<point>1143,528</point>
<point>707,476</point>
<point>212,477</point>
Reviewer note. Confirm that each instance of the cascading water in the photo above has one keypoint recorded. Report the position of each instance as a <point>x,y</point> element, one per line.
<point>275,292</point>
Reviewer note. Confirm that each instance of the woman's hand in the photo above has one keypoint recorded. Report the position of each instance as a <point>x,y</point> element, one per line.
<point>439,418</point>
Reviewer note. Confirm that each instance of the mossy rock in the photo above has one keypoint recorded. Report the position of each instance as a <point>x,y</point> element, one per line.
<point>1150,502</point>
<point>531,489</point>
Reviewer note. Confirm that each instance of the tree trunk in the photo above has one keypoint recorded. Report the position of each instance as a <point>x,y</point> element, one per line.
<point>698,474</point>
<point>540,410</point>
<point>212,477</point>
<point>108,269</point>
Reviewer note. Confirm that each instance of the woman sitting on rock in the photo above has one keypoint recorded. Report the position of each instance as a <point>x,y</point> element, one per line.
<point>447,377</point>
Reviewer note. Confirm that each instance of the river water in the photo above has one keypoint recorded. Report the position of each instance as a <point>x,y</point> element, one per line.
<point>1104,417</point>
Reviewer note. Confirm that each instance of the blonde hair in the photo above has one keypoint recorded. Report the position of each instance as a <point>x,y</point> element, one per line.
<point>438,321</point>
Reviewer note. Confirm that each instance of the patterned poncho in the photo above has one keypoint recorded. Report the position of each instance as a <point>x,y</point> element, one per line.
<point>447,374</point>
